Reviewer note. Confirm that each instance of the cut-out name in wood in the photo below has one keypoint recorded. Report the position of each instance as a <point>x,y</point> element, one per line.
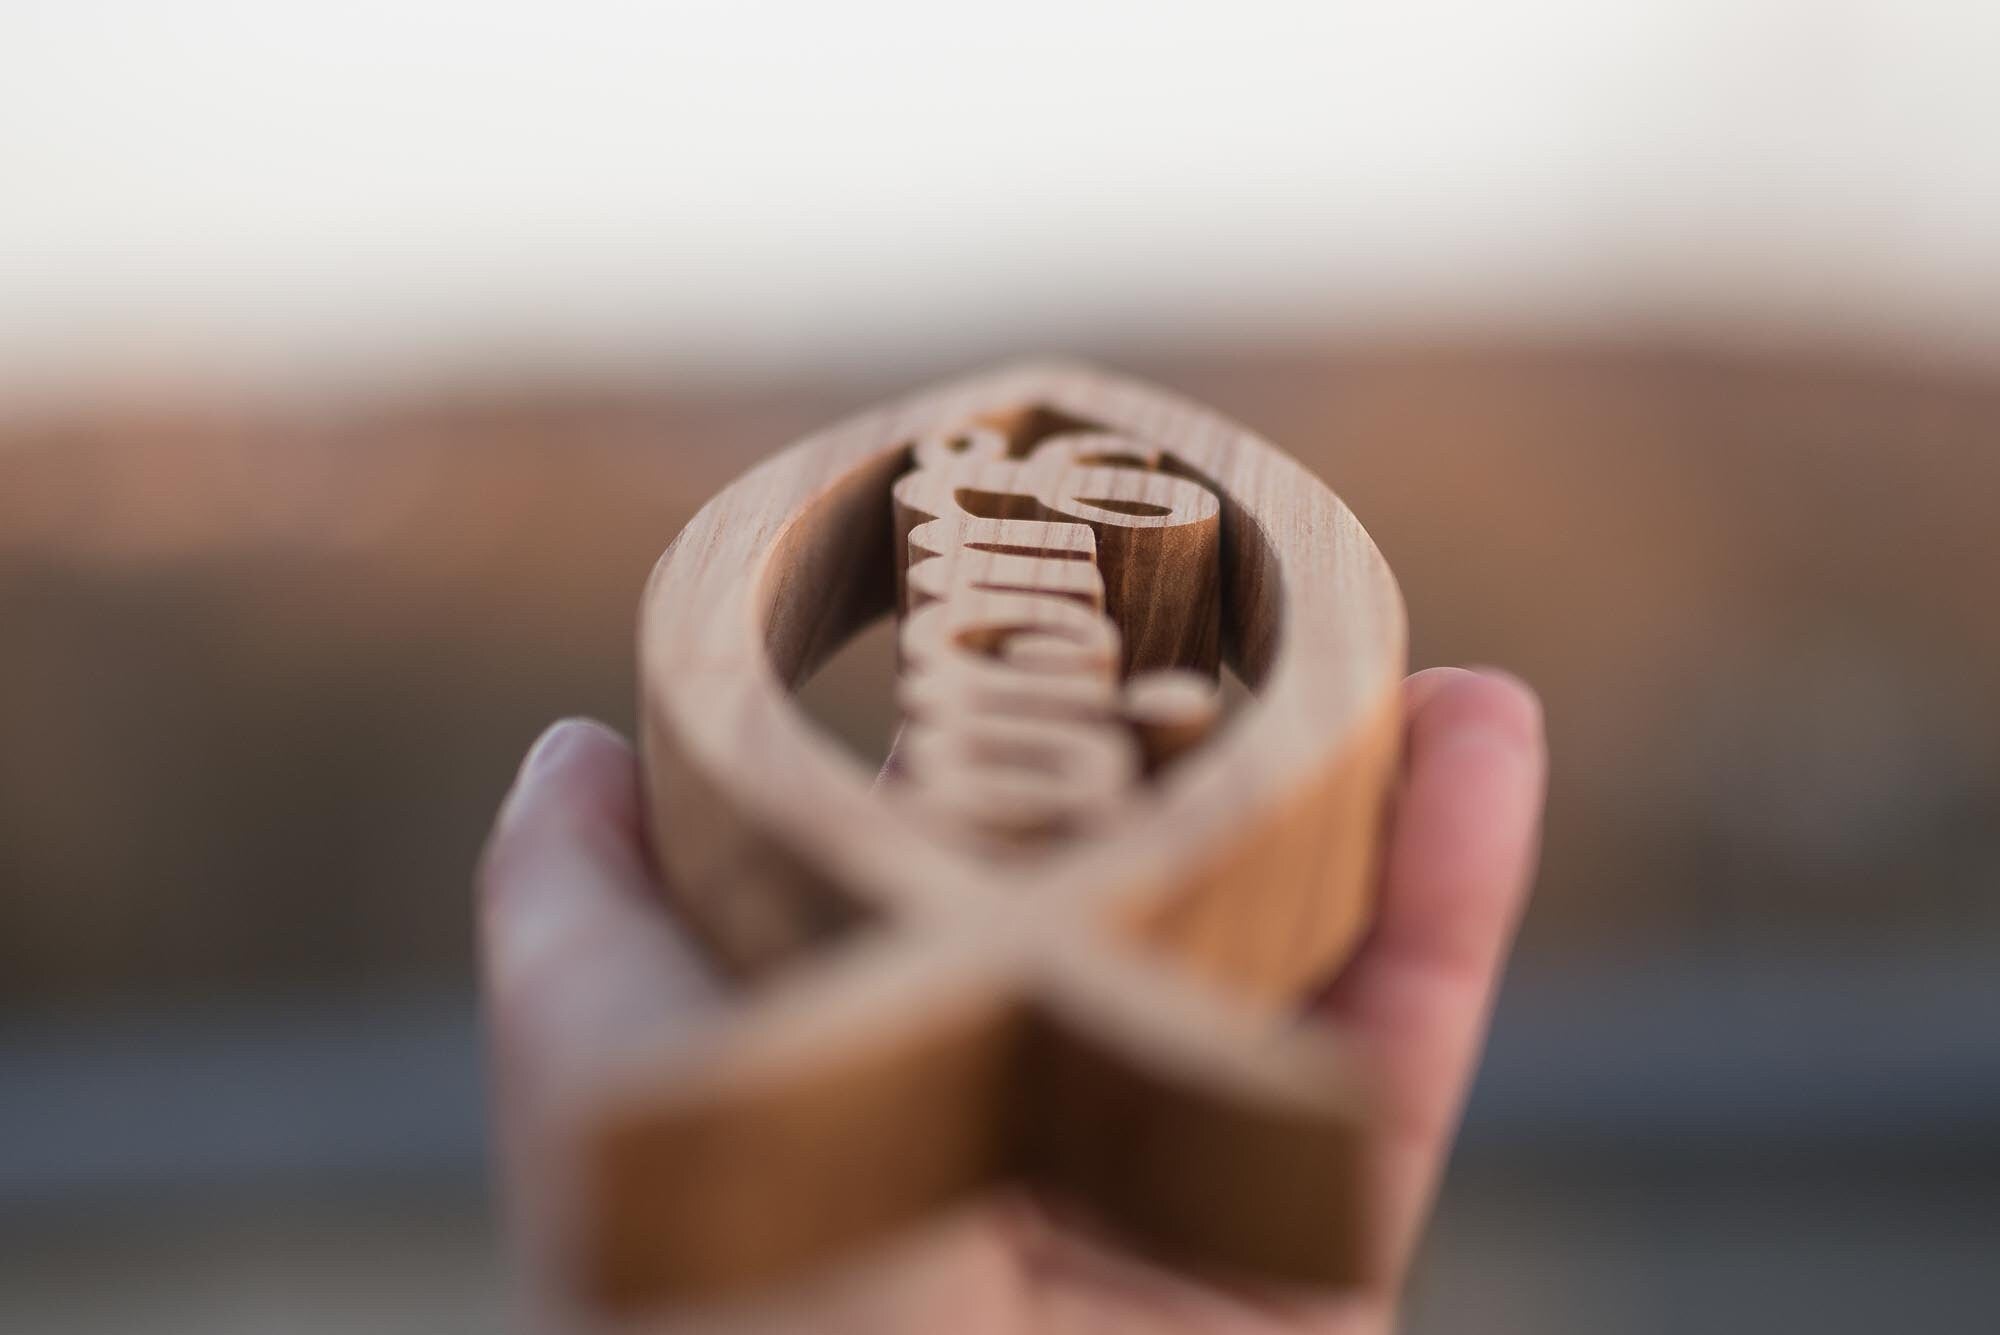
<point>1062,947</point>
<point>1016,576</point>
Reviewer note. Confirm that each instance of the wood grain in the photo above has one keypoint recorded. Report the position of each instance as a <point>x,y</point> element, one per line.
<point>1101,1010</point>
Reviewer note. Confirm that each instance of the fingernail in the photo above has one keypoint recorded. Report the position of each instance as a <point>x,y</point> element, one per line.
<point>1479,733</point>
<point>1498,673</point>
<point>552,743</point>
<point>542,756</point>
<point>1526,715</point>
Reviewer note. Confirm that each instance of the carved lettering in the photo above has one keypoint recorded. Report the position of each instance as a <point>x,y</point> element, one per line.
<point>1061,625</point>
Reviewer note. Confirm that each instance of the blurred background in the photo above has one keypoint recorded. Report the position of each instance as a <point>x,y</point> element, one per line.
<point>357,361</point>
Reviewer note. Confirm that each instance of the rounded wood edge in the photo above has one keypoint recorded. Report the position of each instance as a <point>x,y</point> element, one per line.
<point>1279,905</point>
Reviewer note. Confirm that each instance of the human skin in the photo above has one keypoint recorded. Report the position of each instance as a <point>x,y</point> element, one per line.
<point>583,963</point>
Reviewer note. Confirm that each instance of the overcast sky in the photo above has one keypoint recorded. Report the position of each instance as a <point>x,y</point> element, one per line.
<point>748,186</point>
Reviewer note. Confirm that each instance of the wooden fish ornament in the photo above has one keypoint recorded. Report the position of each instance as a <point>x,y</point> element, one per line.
<point>1061,941</point>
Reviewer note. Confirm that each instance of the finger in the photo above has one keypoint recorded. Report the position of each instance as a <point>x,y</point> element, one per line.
<point>580,964</point>
<point>1460,856</point>
<point>580,958</point>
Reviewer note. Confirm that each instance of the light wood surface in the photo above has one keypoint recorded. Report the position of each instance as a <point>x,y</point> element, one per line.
<point>1060,943</point>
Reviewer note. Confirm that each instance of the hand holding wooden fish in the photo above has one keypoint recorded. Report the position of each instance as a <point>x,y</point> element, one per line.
<point>1061,947</point>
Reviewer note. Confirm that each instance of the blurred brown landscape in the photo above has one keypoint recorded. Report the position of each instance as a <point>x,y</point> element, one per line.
<point>270,663</point>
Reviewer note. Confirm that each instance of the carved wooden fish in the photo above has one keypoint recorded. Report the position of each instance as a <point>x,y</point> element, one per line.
<point>1062,944</point>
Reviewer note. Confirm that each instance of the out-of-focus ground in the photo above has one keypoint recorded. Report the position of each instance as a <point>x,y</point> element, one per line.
<point>269,663</point>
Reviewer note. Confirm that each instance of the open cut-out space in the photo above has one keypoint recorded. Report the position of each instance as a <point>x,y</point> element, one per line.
<point>852,696</point>
<point>851,692</point>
